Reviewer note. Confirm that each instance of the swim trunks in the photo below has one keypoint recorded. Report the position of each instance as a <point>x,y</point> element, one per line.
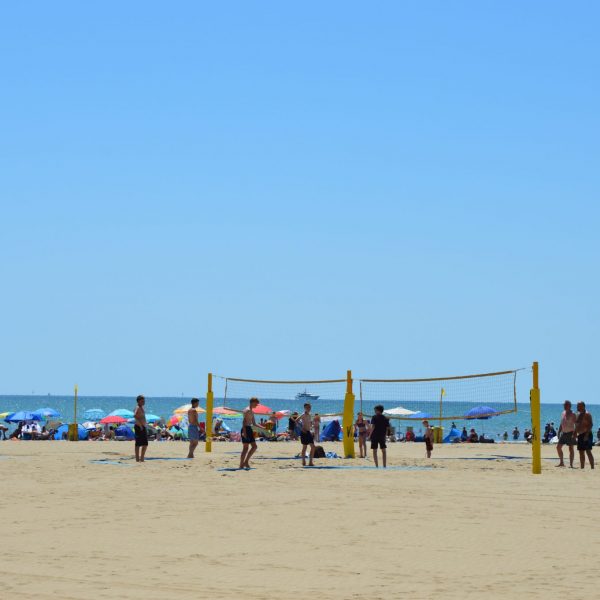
<point>566,438</point>
<point>194,433</point>
<point>141,436</point>
<point>307,438</point>
<point>585,441</point>
<point>247,435</point>
<point>428,444</point>
<point>378,442</point>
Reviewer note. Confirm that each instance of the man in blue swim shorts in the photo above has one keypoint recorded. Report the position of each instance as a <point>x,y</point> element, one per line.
<point>193,427</point>
<point>585,437</point>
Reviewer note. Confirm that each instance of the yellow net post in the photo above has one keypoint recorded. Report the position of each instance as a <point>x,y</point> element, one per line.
<point>73,433</point>
<point>536,442</point>
<point>348,419</point>
<point>209,415</point>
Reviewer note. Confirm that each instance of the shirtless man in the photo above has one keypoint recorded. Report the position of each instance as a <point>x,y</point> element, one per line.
<point>306,436</point>
<point>141,435</point>
<point>193,427</point>
<point>248,442</point>
<point>566,434</point>
<point>585,437</point>
<point>317,427</point>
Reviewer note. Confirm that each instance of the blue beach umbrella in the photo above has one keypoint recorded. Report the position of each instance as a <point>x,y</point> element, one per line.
<point>481,412</point>
<point>22,415</point>
<point>149,418</point>
<point>47,413</point>
<point>420,415</point>
<point>121,412</point>
<point>94,414</point>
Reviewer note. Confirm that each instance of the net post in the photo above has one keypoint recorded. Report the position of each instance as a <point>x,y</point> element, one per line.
<point>536,442</point>
<point>209,415</point>
<point>348,420</point>
<point>73,433</point>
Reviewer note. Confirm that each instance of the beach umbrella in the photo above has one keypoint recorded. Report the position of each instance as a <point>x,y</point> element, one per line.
<point>89,425</point>
<point>481,412</point>
<point>183,409</point>
<point>420,415</point>
<point>113,419</point>
<point>399,411</point>
<point>221,410</point>
<point>262,409</point>
<point>94,414</point>
<point>22,415</point>
<point>121,412</point>
<point>149,418</point>
<point>4,415</point>
<point>174,419</point>
<point>47,413</point>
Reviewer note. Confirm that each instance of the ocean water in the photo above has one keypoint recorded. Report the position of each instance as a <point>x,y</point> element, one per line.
<point>164,407</point>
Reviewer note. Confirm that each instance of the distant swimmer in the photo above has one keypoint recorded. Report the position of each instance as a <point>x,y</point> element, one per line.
<point>566,434</point>
<point>306,437</point>
<point>248,441</point>
<point>428,437</point>
<point>141,433</point>
<point>379,427</point>
<point>585,437</point>
<point>193,427</point>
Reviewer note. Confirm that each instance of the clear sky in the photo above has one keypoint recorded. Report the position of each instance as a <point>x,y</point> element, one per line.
<point>278,189</point>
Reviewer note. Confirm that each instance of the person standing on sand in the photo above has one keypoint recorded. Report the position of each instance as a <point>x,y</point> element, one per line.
<point>585,437</point>
<point>317,427</point>
<point>360,426</point>
<point>428,438</point>
<point>379,427</point>
<point>248,441</point>
<point>141,434</point>
<point>193,427</point>
<point>566,434</point>
<point>306,436</point>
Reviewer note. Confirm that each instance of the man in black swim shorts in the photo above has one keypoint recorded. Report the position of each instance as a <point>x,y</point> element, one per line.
<point>585,437</point>
<point>379,428</point>
<point>247,434</point>
<point>141,433</point>
<point>306,437</point>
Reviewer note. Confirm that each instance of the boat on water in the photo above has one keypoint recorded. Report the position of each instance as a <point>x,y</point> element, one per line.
<point>306,397</point>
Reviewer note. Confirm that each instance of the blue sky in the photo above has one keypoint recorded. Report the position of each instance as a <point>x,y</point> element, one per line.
<point>286,190</point>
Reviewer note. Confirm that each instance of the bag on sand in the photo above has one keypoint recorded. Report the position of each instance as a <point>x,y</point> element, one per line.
<point>319,452</point>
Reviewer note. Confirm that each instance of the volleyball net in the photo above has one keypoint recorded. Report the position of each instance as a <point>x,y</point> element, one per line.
<point>331,398</point>
<point>442,398</point>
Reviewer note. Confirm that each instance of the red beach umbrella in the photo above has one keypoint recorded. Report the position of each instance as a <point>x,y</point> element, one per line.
<point>113,419</point>
<point>262,409</point>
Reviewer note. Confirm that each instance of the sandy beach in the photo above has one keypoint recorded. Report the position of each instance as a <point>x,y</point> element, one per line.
<point>83,520</point>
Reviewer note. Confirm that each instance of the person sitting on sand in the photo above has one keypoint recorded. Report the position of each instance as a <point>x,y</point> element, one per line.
<point>362,429</point>
<point>379,427</point>
<point>306,437</point>
<point>247,434</point>
<point>193,427</point>
<point>585,437</point>
<point>16,434</point>
<point>464,436</point>
<point>428,438</point>
<point>3,430</point>
<point>473,438</point>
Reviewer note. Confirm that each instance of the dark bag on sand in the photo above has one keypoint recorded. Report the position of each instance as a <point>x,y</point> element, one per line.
<point>319,452</point>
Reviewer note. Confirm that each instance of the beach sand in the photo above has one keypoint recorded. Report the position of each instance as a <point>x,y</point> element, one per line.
<point>74,528</point>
